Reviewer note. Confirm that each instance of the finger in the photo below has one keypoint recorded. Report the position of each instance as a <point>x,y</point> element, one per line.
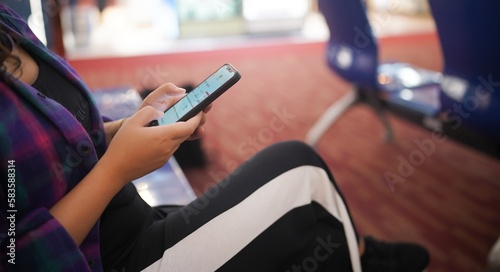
<point>173,99</point>
<point>203,119</point>
<point>164,91</point>
<point>161,98</point>
<point>144,116</point>
<point>198,133</point>
<point>207,108</point>
<point>168,102</point>
<point>182,130</point>
<point>196,120</point>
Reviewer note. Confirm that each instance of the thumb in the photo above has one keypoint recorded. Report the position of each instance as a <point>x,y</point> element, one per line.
<point>173,99</point>
<point>144,116</point>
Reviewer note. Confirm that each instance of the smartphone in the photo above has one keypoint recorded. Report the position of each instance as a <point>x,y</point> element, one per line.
<point>201,96</point>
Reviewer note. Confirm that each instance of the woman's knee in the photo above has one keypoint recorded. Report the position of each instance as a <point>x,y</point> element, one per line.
<point>293,150</point>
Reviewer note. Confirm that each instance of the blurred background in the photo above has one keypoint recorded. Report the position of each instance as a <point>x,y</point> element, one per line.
<point>100,28</point>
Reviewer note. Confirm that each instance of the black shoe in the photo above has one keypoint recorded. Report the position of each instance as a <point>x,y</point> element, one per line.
<point>393,257</point>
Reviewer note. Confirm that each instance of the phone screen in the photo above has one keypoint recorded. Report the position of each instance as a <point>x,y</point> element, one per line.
<point>197,95</point>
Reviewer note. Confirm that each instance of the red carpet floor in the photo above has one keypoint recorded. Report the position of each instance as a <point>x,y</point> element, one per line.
<point>449,202</point>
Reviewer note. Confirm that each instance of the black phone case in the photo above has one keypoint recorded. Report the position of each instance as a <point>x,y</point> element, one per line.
<point>211,98</point>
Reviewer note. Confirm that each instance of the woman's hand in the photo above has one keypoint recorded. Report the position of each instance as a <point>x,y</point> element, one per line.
<point>137,150</point>
<point>160,99</point>
<point>165,96</point>
<point>134,150</point>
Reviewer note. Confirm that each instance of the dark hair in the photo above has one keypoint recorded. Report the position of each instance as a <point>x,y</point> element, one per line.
<point>6,46</point>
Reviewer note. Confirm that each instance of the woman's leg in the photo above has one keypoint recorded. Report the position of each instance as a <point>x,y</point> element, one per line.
<point>280,211</point>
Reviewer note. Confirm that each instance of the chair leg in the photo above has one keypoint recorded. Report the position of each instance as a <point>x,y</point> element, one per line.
<point>382,115</point>
<point>389,134</point>
<point>329,117</point>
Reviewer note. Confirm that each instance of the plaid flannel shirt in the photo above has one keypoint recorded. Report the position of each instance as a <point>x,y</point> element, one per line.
<point>50,153</point>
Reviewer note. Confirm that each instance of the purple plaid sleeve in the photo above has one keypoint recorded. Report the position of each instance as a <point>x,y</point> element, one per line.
<point>51,153</point>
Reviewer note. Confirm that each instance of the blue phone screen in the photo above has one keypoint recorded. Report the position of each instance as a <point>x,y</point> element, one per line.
<point>198,94</point>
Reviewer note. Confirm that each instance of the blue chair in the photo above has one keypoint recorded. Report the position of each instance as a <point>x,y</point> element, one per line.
<point>352,53</point>
<point>469,32</point>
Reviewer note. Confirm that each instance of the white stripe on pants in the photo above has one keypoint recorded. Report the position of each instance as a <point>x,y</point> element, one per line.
<point>217,241</point>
